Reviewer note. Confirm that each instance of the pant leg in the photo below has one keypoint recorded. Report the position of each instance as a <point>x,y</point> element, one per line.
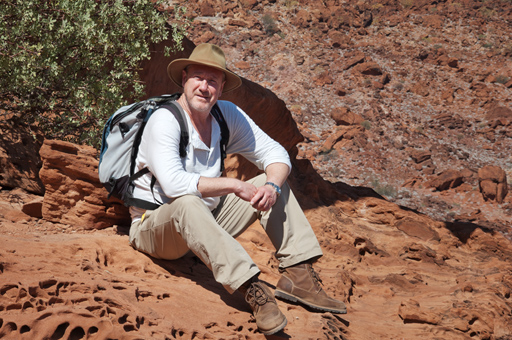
<point>186,223</point>
<point>285,224</point>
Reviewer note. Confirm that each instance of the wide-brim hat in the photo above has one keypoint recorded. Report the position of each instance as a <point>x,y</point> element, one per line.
<point>207,55</point>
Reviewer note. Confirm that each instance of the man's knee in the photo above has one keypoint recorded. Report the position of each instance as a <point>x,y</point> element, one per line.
<point>187,202</point>
<point>181,206</point>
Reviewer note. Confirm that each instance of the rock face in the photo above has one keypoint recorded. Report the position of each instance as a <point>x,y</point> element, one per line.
<point>74,194</point>
<point>493,183</point>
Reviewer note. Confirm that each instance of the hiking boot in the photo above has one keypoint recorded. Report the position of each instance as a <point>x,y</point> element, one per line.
<point>269,318</point>
<point>300,283</point>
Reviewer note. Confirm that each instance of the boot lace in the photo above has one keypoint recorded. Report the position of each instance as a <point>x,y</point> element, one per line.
<point>256,295</point>
<point>314,275</point>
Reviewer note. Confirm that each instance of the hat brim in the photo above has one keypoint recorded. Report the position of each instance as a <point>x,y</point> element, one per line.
<point>175,68</point>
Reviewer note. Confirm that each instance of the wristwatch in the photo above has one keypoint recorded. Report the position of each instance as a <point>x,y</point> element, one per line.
<point>275,186</point>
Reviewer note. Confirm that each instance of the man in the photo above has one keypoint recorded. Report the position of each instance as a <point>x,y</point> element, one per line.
<point>204,212</point>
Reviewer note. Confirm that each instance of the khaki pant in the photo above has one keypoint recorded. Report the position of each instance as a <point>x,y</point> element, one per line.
<point>186,223</point>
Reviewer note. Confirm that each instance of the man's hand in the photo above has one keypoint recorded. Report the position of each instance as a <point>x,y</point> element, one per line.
<point>264,198</point>
<point>245,191</point>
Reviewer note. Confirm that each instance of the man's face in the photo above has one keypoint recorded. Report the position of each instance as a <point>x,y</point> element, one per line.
<point>202,86</point>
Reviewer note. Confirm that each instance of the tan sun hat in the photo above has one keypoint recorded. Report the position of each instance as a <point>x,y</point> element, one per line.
<point>208,55</point>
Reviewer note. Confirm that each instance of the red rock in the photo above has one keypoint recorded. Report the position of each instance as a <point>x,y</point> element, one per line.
<point>73,193</point>
<point>412,183</point>
<point>248,4</point>
<point>207,8</point>
<point>448,95</point>
<point>16,216</point>
<point>323,79</point>
<point>421,89</point>
<point>419,252</point>
<point>34,208</point>
<point>302,18</point>
<point>419,156</point>
<point>480,90</point>
<point>333,139</point>
<point>243,65</point>
<point>338,39</point>
<point>416,229</point>
<point>343,116</point>
<point>445,180</point>
<point>237,23</point>
<point>499,112</point>
<point>411,312</point>
<point>464,187</point>
<point>435,21</point>
<point>370,68</point>
<point>493,184</point>
<point>353,61</point>
<point>341,92</point>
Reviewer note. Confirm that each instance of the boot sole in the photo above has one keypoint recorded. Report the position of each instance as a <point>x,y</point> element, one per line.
<point>276,329</point>
<point>285,296</point>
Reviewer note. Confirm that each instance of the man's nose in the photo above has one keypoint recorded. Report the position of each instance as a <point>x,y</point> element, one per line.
<point>203,85</point>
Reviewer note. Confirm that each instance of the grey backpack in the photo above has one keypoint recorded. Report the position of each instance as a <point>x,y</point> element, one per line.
<point>121,138</point>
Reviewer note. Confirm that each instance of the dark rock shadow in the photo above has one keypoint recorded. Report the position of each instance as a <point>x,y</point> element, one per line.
<point>464,230</point>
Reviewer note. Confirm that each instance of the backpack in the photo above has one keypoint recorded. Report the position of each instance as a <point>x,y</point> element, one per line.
<point>121,139</point>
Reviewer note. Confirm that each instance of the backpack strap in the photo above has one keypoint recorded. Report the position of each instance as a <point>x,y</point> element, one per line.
<point>184,137</point>
<point>224,133</point>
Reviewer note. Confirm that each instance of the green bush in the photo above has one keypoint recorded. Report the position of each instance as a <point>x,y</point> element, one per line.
<point>386,190</point>
<point>502,79</point>
<point>66,65</point>
<point>366,124</point>
<point>269,24</point>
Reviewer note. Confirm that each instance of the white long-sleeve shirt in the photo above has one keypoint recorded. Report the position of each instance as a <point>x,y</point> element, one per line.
<point>176,176</point>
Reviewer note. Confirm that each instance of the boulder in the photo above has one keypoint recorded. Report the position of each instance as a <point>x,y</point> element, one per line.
<point>492,182</point>
<point>74,194</point>
<point>34,208</point>
<point>354,60</point>
<point>343,116</point>
<point>446,180</point>
<point>369,68</point>
<point>500,114</point>
<point>343,133</point>
<point>421,89</point>
<point>419,156</point>
<point>302,19</point>
<point>338,39</point>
